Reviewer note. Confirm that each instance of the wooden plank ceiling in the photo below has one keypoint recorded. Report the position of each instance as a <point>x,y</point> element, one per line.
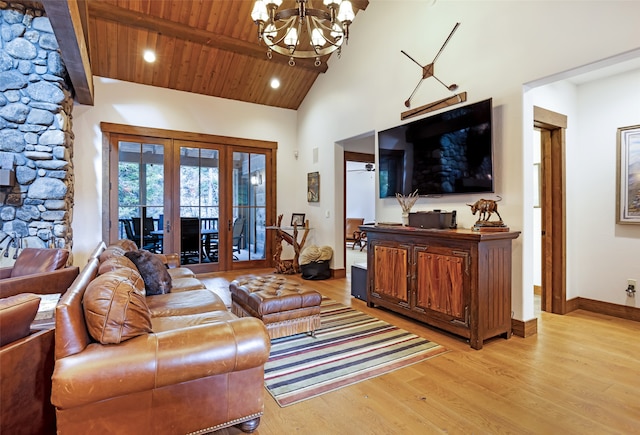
<point>207,47</point>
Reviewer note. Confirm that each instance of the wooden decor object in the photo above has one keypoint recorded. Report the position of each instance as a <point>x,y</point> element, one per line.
<point>436,105</point>
<point>428,70</point>
<point>288,267</point>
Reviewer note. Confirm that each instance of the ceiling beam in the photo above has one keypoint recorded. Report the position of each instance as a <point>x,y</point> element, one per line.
<point>66,18</point>
<point>109,12</point>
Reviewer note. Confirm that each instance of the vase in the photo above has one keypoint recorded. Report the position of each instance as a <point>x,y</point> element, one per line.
<point>405,218</point>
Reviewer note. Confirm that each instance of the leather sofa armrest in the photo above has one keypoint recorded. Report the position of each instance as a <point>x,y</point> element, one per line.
<point>57,281</point>
<point>173,260</point>
<point>16,314</point>
<point>151,361</point>
<point>5,272</point>
<point>211,349</point>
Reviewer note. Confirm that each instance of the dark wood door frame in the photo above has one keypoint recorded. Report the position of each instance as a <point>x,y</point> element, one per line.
<point>552,127</point>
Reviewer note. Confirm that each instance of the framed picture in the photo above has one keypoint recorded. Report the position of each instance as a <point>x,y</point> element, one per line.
<point>628,201</point>
<point>297,219</point>
<point>313,187</point>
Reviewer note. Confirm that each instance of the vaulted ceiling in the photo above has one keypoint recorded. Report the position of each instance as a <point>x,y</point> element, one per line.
<point>207,47</point>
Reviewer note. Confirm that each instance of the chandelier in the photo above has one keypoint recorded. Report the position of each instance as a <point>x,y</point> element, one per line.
<point>289,31</point>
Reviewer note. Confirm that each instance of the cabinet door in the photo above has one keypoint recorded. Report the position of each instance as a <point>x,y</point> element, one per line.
<point>390,274</point>
<point>440,285</point>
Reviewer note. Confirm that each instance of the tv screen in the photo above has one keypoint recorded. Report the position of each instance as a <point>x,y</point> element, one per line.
<point>447,153</point>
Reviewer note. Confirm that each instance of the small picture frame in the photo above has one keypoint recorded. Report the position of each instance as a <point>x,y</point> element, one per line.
<point>297,219</point>
<point>313,187</point>
<point>628,198</point>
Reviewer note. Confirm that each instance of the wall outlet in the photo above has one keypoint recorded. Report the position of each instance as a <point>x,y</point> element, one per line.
<point>631,283</point>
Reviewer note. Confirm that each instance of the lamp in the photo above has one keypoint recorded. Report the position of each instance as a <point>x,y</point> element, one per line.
<point>287,31</point>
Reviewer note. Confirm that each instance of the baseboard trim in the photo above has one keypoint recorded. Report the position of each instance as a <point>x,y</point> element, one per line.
<point>338,273</point>
<point>524,329</point>
<point>607,308</point>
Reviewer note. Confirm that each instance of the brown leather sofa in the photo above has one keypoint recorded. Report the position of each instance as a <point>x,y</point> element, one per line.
<point>26,365</point>
<point>171,363</point>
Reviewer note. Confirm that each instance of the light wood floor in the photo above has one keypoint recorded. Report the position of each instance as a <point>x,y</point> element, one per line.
<point>579,375</point>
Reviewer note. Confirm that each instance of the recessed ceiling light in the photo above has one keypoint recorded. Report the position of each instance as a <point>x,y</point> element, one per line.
<point>275,83</point>
<point>149,56</point>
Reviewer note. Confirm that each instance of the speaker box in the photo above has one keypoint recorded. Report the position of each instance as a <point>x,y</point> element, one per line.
<point>359,281</point>
<point>433,219</point>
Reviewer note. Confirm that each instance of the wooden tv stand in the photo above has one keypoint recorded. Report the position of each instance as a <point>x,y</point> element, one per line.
<point>456,280</point>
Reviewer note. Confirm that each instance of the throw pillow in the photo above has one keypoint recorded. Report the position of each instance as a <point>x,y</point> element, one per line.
<point>111,251</point>
<point>115,263</point>
<point>115,307</point>
<point>156,278</point>
<point>126,244</point>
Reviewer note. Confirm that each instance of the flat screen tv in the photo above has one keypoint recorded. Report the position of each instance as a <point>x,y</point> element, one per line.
<point>448,153</point>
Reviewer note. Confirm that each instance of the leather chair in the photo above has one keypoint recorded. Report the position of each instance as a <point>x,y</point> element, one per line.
<point>36,260</point>
<point>352,232</point>
<point>26,366</point>
<point>37,270</point>
<point>27,353</point>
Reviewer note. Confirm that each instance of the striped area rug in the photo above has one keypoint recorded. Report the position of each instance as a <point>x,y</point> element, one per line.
<point>349,347</point>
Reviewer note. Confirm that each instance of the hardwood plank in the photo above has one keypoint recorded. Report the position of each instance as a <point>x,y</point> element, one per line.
<point>577,375</point>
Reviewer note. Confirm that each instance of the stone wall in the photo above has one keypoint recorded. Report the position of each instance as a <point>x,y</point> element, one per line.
<point>36,140</point>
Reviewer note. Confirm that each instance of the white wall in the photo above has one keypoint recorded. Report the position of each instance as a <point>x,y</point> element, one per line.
<point>499,47</point>
<point>604,106</point>
<point>601,255</point>
<point>361,192</point>
<point>146,106</point>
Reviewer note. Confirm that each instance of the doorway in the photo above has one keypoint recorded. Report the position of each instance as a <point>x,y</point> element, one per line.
<point>204,199</point>
<point>359,195</point>
<point>551,126</point>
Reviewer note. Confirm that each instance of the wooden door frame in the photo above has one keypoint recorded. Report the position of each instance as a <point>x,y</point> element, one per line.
<point>552,128</point>
<point>110,130</point>
<point>350,156</point>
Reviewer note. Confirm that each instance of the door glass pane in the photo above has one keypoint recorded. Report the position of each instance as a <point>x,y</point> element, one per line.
<point>249,206</point>
<point>199,205</point>
<point>141,193</point>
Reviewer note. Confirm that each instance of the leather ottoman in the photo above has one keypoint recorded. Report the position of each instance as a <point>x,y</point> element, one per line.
<point>285,307</point>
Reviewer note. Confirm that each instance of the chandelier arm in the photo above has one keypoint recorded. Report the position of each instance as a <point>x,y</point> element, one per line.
<point>286,14</point>
<point>317,13</point>
<point>295,47</point>
<point>309,31</point>
<point>286,23</point>
<point>274,42</point>
<point>336,42</point>
<point>320,24</point>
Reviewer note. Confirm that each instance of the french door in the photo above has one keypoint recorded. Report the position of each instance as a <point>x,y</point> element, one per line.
<point>207,201</point>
